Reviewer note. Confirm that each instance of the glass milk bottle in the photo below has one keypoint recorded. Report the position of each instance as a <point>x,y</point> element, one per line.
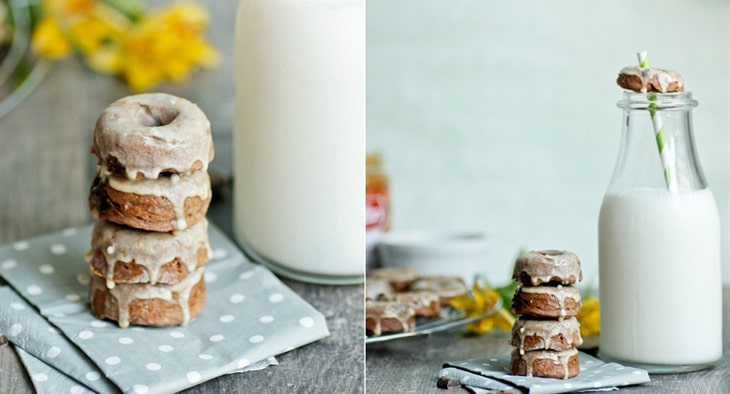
<point>659,244</point>
<point>299,137</point>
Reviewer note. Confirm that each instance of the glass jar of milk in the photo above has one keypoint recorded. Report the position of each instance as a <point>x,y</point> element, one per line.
<point>659,244</point>
<point>299,137</point>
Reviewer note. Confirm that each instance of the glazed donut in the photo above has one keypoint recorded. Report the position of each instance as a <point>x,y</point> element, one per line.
<point>378,290</point>
<point>650,80</point>
<point>423,304</point>
<point>555,302</point>
<point>388,316</point>
<point>446,287</point>
<point>149,305</point>
<point>547,266</point>
<point>148,134</point>
<point>164,204</point>
<point>124,255</point>
<point>399,278</point>
<point>546,363</point>
<point>536,334</point>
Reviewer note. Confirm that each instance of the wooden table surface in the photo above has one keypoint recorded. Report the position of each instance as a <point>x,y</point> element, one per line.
<point>46,171</point>
<point>412,365</point>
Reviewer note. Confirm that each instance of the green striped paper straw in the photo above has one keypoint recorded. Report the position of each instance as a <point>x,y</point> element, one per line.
<point>666,147</point>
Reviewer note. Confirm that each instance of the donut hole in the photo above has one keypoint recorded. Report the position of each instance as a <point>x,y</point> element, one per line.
<point>154,116</point>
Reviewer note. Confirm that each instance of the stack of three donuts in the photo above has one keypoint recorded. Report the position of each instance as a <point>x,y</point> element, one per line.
<point>546,334</point>
<point>150,197</point>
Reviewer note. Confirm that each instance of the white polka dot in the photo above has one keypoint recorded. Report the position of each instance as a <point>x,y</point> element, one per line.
<point>219,254</point>
<point>17,306</point>
<point>210,277</point>
<point>58,249</point>
<point>20,245</point>
<point>153,366</point>
<point>98,324</point>
<point>8,264</point>
<point>40,377</point>
<point>193,376</point>
<point>243,363</point>
<point>256,339</point>
<point>537,386</point>
<point>597,384</point>
<point>237,298</point>
<point>637,372</point>
<point>567,385</point>
<point>140,389</point>
<point>53,330</point>
<point>113,360</point>
<point>126,340</point>
<point>73,297</point>
<point>34,290</point>
<point>227,318</point>
<point>92,376</point>
<point>589,362</point>
<point>306,321</point>
<point>492,359</point>
<point>83,279</point>
<point>70,232</point>
<point>53,352</point>
<point>86,334</point>
<point>266,319</point>
<point>625,383</point>
<point>46,269</point>
<point>246,275</point>
<point>76,390</point>
<point>216,338</point>
<point>177,334</point>
<point>15,330</point>
<point>205,356</point>
<point>166,348</point>
<point>276,297</point>
<point>620,368</point>
<point>582,368</point>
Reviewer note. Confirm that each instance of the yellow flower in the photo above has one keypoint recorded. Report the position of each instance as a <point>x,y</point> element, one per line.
<point>98,35</point>
<point>589,317</point>
<point>167,45</point>
<point>49,41</point>
<point>483,300</point>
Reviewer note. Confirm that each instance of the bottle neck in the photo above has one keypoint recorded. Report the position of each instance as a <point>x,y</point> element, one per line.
<point>657,144</point>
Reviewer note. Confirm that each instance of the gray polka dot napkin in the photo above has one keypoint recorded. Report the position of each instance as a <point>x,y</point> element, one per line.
<point>250,316</point>
<point>492,374</point>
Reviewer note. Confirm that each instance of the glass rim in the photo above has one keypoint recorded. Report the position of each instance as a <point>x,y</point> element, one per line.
<point>656,101</point>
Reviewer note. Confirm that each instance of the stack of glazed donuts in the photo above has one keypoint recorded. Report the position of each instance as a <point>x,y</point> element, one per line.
<point>150,197</point>
<point>546,334</point>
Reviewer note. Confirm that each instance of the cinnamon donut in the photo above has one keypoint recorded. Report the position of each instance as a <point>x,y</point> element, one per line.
<point>124,255</point>
<point>537,334</point>
<point>446,287</point>
<point>378,290</point>
<point>149,305</point>
<point>548,266</point>
<point>650,80</point>
<point>148,134</point>
<point>546,363</point>
<point>399,278</point>
<point>423,304</point>
<point>388,316</point>
<point>165,204</point>
<point>555,302</point>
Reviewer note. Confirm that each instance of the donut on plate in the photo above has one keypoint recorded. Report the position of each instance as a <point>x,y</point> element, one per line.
<point>446,287</point>
<point>388,316</point>
<point>124,255</point>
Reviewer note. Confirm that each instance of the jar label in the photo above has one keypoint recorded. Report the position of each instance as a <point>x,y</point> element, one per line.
<point>376,211</point>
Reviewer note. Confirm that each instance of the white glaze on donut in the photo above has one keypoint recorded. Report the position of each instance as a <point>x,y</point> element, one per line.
<point>150,250</point>
<point>545,266</point>
<point>561,358</point>
<point>175,188</point>
<point>559,293</point>
<point>125,294</point>
<point>153,133</point>
<point>546,330</point>
<point>657,77</point>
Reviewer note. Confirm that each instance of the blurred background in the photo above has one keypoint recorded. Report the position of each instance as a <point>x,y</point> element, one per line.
<point>500,117</point>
